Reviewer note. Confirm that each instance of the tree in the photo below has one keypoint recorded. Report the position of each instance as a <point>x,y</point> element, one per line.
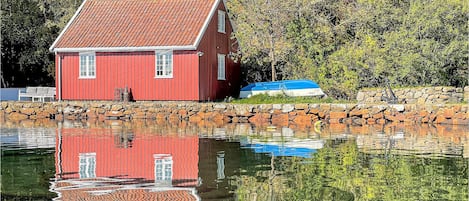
<point>351,44</point>
<point>28,29</point>
<point>261,30</point>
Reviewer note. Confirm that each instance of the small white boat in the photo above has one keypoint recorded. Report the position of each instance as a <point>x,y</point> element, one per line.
<point>285,87</point>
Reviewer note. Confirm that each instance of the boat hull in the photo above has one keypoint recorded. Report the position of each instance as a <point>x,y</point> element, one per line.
<point>293,88</point>
<point>291,92</point>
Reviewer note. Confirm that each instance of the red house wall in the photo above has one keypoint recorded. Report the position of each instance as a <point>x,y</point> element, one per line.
<point>136,70</point>
<point>134,162</point>
<point>214,43</point>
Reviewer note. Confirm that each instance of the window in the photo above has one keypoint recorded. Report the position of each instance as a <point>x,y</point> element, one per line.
<point>221,21</point>
<point>87,163</point>
<point>220,165</point>
<point>87,65</point>
<point>163,168</point>
<point>221,67</point>
<point>164,64</point>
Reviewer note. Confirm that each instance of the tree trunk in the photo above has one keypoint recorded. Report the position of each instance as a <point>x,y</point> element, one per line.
<point>272,58</point>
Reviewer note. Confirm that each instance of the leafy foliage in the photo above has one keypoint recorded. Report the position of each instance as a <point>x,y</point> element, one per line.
<point>28,29</point>
<point>341,171</point>
<point>351,44</point>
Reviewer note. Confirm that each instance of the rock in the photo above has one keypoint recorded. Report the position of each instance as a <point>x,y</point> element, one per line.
<point>16,116</point>
<point>28,111</point>
<point>219,106</point>
<point>301,106</point>
<point>439,119</point>
<point>449,89</point>
<point>114,114</point>
<point>338,107</point>
<point>277,106</point>
<point>243,110</point>
<point>287,108</point>
<point>260,118</point>
<point>337,115</point>
<point>265,107</point>
<point>303,120</point>
<point>280,119</point>
<point>360,96</point>
<point>398,107</point>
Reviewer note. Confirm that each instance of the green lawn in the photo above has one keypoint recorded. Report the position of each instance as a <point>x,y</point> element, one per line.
<point>282,99</point>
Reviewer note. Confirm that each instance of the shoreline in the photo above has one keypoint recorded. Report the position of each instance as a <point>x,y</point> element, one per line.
<point>301,115</point>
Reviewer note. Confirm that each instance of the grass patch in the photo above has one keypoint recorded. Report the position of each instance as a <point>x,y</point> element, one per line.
<point>282,99</point>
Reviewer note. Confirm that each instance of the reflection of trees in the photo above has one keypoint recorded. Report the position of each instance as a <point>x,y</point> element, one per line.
<point>342,172</point>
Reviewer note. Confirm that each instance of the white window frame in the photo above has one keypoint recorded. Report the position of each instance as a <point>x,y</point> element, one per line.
<point>221,21</point>
<point>87,67</point>
<point>87,165</point>
<point>221,63</point>
<point>163,168</point>
<point>166,68</point>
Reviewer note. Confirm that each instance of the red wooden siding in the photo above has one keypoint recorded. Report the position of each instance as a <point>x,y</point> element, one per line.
<point>136,70</point>
<point>134,162</point>
<point>214,43</point>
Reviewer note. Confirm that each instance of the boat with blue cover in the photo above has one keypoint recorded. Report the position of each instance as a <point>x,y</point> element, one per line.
<point>284,87</point>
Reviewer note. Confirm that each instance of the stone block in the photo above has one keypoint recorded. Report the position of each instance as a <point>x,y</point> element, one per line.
<point>439,119</point>
<point>361,96</point>
<point>113,114</point>
<point>260,118</point>
<point>28,111</point>
<point>287,108</point>
<point>161,115</point>
<point>461,115</point>
<point>280,119</point>
<point>303,120</point>
<point>398,107</point>
<point>243,110</point>
<point>338,107</point>
<point>378,115</point>
<point>334,121</point>
<point>301,106</point>
<point>337,115</point>
<point>195,119</point>
<point>314,111</point>
<point>16,116</point>
<point>381,121</point>
<point>371,121</point>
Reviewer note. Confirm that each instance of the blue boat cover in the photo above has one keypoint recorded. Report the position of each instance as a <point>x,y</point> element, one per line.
<point>281,85</point>
<point>279,150</point>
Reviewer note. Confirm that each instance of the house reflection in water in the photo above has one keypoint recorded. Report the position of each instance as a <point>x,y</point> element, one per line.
<point>104,164</point>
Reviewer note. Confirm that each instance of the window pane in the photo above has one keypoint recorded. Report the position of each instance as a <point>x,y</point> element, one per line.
<point>164,64</point>
<point>82,65</point>
<point>87,65</point>
<point>221,67</point>
<point>221,21</point>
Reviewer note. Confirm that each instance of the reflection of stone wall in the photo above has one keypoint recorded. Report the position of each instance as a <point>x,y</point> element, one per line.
<point>398,138</point>
<point>421,95</point>
<point>302,115</point>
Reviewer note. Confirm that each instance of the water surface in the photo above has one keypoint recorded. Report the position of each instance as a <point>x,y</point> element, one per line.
<point>116,160</point>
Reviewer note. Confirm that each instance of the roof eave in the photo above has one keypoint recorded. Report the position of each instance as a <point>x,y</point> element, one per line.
<point>123,49</point>
<point>206,23</point>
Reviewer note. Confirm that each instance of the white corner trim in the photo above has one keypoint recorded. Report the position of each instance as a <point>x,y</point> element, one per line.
<point>66,26</point>
<point>206,23</point>
<point>124,49</point>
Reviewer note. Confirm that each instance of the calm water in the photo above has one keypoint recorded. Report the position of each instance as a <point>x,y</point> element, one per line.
<point>159,161</point>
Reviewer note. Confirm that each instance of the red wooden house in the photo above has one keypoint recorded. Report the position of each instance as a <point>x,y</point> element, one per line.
<point>158,49</point>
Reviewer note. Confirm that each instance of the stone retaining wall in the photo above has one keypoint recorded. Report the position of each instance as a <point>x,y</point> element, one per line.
<point>303,115</point>
<point>421,95</point>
